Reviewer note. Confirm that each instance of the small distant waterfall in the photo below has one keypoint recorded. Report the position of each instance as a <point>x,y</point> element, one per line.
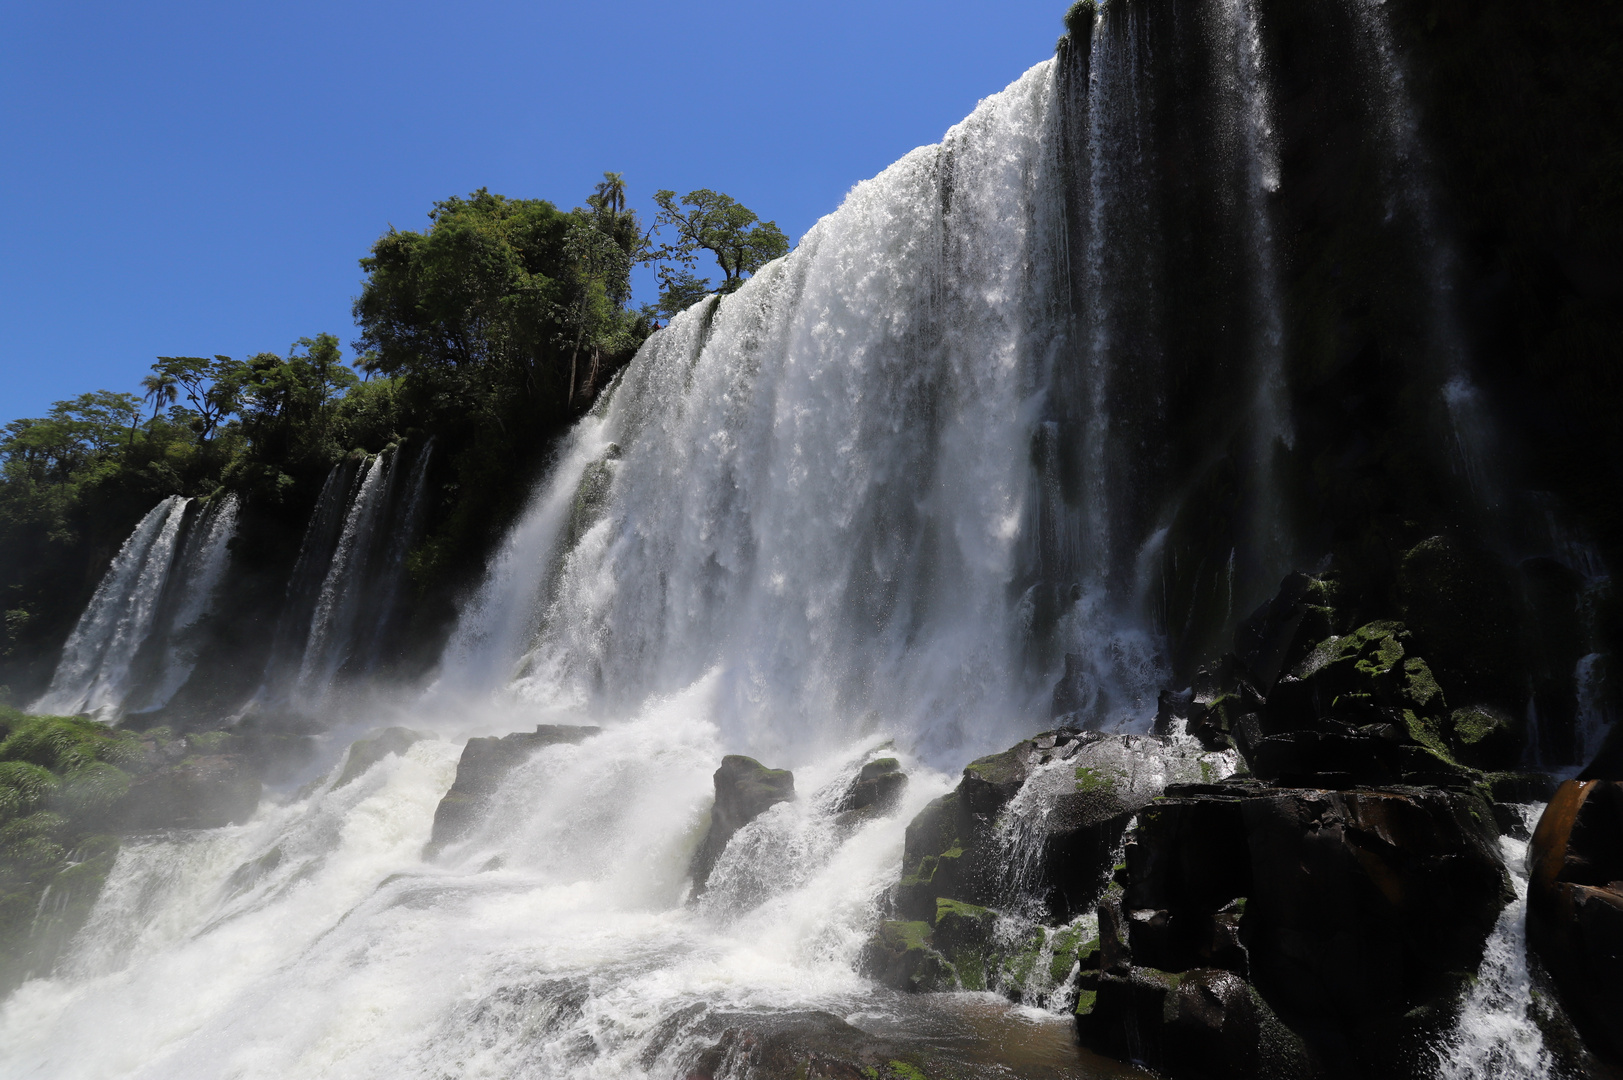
<point>401,531</point>
<point>332,626</point>
<point>93,674</point>
<point>339,613</point>
<point>199,571</point>
<point>309,575</point>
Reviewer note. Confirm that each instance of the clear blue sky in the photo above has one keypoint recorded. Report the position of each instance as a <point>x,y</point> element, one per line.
<point>192,179</point>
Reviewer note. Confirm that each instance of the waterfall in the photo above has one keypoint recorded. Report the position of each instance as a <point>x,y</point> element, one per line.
<point>1246,97</point>
<point>93,674</point>
<point>199,571</point>
<point>305,583</point>
<point>815,486</point>
<point>1409,196</point>
<point>907,485</point>
<point>332,625</point>
<point>1495,1036</point>
<point>403,529</point>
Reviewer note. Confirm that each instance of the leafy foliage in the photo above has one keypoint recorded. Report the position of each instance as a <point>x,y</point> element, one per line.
<point>740,241</point>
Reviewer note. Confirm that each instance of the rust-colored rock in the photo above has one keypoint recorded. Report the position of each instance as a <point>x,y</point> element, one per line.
<point>1575,907</point>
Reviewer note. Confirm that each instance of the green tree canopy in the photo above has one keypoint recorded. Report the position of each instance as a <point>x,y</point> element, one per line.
<point>740,241</point>
<point>75,435</point>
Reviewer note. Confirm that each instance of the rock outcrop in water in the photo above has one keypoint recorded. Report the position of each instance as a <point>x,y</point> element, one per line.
<point>1037,827</point>
<point>484,764</point>
<point>877,788</point>
<point>745,789</point>
<point>1318,914</point>
<point>367,752</point>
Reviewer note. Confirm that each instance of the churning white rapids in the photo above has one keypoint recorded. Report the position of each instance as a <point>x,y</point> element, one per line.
<point>793,529</point>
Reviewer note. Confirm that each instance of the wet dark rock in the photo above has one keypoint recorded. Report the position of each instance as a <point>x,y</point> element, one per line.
<point>1345,915</point>
<point>252,872</point>
<point>483,766</point>
<point>990,782</point>
<point>1172,711</point>
<point>745,789</point>
<point>1353,709</point>
<point>1485,737</point>
<point>878,787</point>
<point>1076,691</point>
<point>367,752</point>
<point>1281,633</point>
<point>1200,1023</point>
<point>203,791</point>
<point>940,1040</point>
<point>960,948</point>
<point>1575,907</point>
<point>1461,604</point>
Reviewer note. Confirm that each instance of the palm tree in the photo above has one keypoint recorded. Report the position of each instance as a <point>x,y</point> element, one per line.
<point>612,191</point>
<point>160,390</point>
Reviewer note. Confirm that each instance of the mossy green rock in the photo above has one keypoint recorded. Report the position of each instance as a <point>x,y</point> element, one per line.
<point>1486,738</point>
<point>745,789</point>
<point>902,955</point>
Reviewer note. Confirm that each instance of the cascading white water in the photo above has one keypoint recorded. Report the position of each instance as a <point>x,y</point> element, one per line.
<point>1409,193</point>
<point>202,566</point>
<point>93,674</point>
<point>315,941</point>
<point>337,606</point>
<point>808,521</point>
<point>801,520</point>
<point>1245,91</point>
<point>404,531</point>
<point>819,487</point>
<point>1495,1036</point>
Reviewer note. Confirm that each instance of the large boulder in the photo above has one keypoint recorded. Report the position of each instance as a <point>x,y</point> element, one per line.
<point>945,1039</point>
<point>367,752</point>
<point>745,789</point>
<point>1354,916</point>
<point>1355,708</point>
<point>1575,907</point>
<point>1207,1023</point>
<point>877,788</point>
<point>484,764</point>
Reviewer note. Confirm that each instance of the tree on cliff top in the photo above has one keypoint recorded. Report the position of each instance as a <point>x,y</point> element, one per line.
<point>740,241</point>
